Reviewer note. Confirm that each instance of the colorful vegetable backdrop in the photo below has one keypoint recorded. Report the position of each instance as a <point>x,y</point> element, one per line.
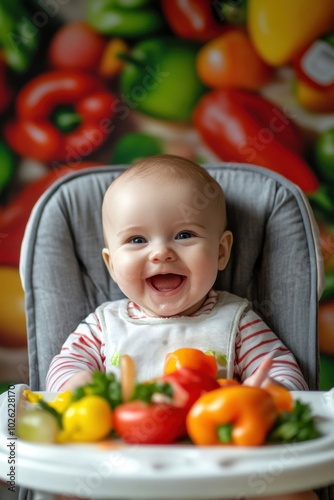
<point>110,81</point>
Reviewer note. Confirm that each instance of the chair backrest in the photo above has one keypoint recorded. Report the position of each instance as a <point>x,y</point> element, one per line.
<point>275,261</point>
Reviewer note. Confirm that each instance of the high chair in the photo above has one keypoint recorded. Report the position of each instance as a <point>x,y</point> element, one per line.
<point>275,262</point>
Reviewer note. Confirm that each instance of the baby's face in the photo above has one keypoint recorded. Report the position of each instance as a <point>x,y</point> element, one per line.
<point>165,244</point>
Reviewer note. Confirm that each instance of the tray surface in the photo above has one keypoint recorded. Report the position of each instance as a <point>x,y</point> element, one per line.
<point>113,469</point>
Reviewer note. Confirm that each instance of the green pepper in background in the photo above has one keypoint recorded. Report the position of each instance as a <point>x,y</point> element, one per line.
<point>125,18</point>
<point>19,37</point>
<point>324,155</point>
<point>134,146</point>
<point>326,372</point>
<point>328,292</point>
<point>7,165</point>
<point>160,78</point>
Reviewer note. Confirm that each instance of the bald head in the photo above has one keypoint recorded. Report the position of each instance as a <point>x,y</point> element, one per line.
<point>162,169</point>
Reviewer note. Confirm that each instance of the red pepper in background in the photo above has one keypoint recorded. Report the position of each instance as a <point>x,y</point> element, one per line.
<point>44,130</point>
<point>242,126</point>
<point>15,215</point>
<point>192,19</point>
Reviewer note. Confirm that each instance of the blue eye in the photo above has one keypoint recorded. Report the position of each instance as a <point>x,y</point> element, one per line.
<point>184,235</point>
<point>137,240</point>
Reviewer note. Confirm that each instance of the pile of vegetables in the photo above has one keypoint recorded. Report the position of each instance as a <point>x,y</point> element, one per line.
<point>184,403</point>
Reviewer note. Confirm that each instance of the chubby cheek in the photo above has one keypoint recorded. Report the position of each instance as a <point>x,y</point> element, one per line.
<point>205,264</point>
<point>126,269</point>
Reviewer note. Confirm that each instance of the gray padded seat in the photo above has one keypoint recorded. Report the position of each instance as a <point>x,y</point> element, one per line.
<point>275,260</point>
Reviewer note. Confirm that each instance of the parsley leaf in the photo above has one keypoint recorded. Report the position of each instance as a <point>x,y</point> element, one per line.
<point>294,426</point>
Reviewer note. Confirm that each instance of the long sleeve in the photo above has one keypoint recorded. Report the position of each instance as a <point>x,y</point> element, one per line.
<point>81,351</point>
<point>254,342</point>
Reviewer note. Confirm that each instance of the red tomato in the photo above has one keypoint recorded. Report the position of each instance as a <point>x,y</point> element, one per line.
<point>76,46</point>
<point>137,422</point>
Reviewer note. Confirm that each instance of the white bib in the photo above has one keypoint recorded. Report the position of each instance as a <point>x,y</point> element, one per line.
<point>149,340</point>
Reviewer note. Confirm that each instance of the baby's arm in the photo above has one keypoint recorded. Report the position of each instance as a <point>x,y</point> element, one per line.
<point>80,378</point>
<point>255,343</point>
<point>79,357</point>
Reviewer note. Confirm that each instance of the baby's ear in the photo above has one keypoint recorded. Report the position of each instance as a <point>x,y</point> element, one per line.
<point>225,246</point>
<point>107,260</point>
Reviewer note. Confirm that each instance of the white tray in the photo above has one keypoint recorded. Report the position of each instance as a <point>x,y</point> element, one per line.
<point>172,471</point>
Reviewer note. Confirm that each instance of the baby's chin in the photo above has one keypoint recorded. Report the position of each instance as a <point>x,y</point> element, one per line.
<point>170,310</point>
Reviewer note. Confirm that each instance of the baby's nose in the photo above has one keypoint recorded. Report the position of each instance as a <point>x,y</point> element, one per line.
<point>162,253</point>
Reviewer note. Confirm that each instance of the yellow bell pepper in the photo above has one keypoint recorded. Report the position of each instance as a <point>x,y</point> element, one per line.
<point>62,401</point>
<point>280,29</point>
<point>31,396</point>
<point>87,420</point>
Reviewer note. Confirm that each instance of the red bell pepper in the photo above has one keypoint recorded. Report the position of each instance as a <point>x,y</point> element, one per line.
<point>40,130</point>
<point>14,216</point>
<point>188,385</point>
<point>241,126</point>
<point>193,19</point>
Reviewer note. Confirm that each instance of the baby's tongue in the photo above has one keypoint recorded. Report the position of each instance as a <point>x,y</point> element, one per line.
<point>165,282</point>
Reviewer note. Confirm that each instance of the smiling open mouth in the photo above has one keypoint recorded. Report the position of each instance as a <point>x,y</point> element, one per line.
<point>166,282</point>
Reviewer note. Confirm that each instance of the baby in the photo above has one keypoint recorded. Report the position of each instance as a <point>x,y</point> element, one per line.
<point>163,249</point>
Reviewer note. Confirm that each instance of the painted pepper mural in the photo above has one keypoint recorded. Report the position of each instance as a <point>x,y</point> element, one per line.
<point>86,83</point>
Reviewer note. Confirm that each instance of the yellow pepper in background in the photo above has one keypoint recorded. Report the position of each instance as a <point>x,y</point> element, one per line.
<point>313,99</point>
<point>280,29</point>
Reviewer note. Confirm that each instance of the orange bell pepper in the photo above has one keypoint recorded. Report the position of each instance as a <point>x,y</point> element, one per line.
<point>227,382</point>
<point>188,357</point>
<point>239,415</point>
<point>282,397</point>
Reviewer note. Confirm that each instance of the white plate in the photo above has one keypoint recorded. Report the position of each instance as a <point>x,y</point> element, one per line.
<point>173,471</point>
